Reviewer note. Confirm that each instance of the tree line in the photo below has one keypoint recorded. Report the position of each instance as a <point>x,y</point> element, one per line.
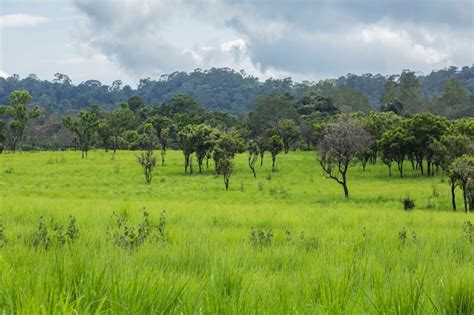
<point>277,123</point>
<point>236,92</point>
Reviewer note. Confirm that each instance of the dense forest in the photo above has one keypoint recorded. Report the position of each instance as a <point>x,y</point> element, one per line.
<point>233,92</point>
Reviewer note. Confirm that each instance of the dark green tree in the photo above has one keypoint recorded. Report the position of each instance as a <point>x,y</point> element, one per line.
<point>275,146</point>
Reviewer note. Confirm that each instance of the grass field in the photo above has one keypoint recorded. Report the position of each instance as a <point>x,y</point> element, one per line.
<point>354,257</point>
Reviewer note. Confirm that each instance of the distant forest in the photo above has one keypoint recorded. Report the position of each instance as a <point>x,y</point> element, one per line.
<point>223,89</point>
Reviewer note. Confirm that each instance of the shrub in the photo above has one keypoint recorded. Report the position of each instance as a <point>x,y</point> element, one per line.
<point>259,238</point>
<point>408,204</point>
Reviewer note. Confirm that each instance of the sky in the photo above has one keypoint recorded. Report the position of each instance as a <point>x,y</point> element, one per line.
<point>303,39</point>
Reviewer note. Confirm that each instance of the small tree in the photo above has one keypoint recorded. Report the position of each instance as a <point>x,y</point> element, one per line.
<point>394,146</point>
<point>185,138</point>
<point>19,115</point>
<point>341,143</point>
<point>275,145</point>
<point>253,155</point>
<point>83,128</point>
<point>146,158</point>
<point>164,127</point>
<point>225,167</point>
<point>262,143</point>
<point>288,131</point>
<point>462,170</point>
<point>105,133</point>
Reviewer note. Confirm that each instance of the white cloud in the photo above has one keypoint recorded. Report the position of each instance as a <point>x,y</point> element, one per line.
<point>21,20</point>
<point>3,74</point>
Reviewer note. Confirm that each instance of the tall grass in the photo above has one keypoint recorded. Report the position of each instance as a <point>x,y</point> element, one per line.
<point>350,259</point>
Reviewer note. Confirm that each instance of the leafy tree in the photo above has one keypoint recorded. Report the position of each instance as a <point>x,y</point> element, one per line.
<point>105,132</point>
<point>462,169</point>
<point>19,115</point>
<point>118,121</point>
<point>395,145</point>
<point>135,103</point>
<point>83,128</point>
<point>204,138</point>
<point>253,155</point>
<point>2,136</point>
<point>446,150</point>
<point>275,146</point>
<point>424,129</point>
<point>186,138</point>
<point>146,158</point>
<point>288,131</point>
<point>164,127</point>
<point>269,110</point>
<point>227,145</point>
<point>342,141</point>
<point>262,143</point>
<point>225,167</point>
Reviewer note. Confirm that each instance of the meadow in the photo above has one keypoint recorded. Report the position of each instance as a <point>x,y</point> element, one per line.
<point>323,255</point>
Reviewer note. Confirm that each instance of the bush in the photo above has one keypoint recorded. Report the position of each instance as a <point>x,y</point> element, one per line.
<point>408,204</point>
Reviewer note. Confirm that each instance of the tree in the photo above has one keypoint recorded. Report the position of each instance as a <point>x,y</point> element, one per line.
<point>83,128</point>
<point>425,128</point>
<point>262,143</point>
<point>146,158</point>
<point>19,115</point>
<point>186,140</point>
<point>135,103</point>
<point>275,146</point>
<point>288,131</point>
<point>253,156</point>
<point>462,169</point>
<point>227,145</point>
<point>105,132</point>
<point>342,141</point>
<point>118,121</point>
<point>269,110</point>
<point>203,140</point>
<point>450,147</point>
<point>395,145</point>
<point>225,167</point>
<point>164,127</point>
<point>2,136</point>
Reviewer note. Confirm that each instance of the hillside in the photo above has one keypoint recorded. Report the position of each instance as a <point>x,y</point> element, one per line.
<point>216,89</point>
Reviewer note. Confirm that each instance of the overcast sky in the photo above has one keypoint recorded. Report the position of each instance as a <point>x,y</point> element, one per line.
<point>133,39</point>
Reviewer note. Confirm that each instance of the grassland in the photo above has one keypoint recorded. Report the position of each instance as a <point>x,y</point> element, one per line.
<point>352,258</point>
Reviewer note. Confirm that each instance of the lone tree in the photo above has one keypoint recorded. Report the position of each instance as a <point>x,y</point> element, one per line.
<point>19,115</point>
<point>275,146</point>
<point>83,128</point>
<point>224,151</point>
<point>227,145</point>
<point>146,158</point>
<point>342,141</point>
<point>253,156</point>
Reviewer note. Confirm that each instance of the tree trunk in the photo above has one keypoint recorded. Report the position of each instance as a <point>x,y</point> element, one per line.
<point>400,168</point>
<point>186,163</point>
<point>453,194</point>
<point>273,162</point>
<point>464,197</point>
<point>261,158</point>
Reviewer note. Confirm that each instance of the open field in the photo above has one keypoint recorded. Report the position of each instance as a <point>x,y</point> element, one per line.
<point>354,257</point>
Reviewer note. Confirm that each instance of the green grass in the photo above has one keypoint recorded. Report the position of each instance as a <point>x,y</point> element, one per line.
<point>352,260</point>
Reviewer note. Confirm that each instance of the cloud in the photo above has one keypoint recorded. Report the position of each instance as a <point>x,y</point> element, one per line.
<point>304,39</point>
<point>21,20</point>
<point>3,74</point>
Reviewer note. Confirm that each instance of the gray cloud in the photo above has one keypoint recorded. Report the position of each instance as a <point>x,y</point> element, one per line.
<point>311,39</point>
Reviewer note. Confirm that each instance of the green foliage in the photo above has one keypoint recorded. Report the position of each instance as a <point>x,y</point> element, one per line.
<point>260,239</point>
<point>18,116</point>
<point>127,237</point>
<point>275,146</point>
<point>83,128</point>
